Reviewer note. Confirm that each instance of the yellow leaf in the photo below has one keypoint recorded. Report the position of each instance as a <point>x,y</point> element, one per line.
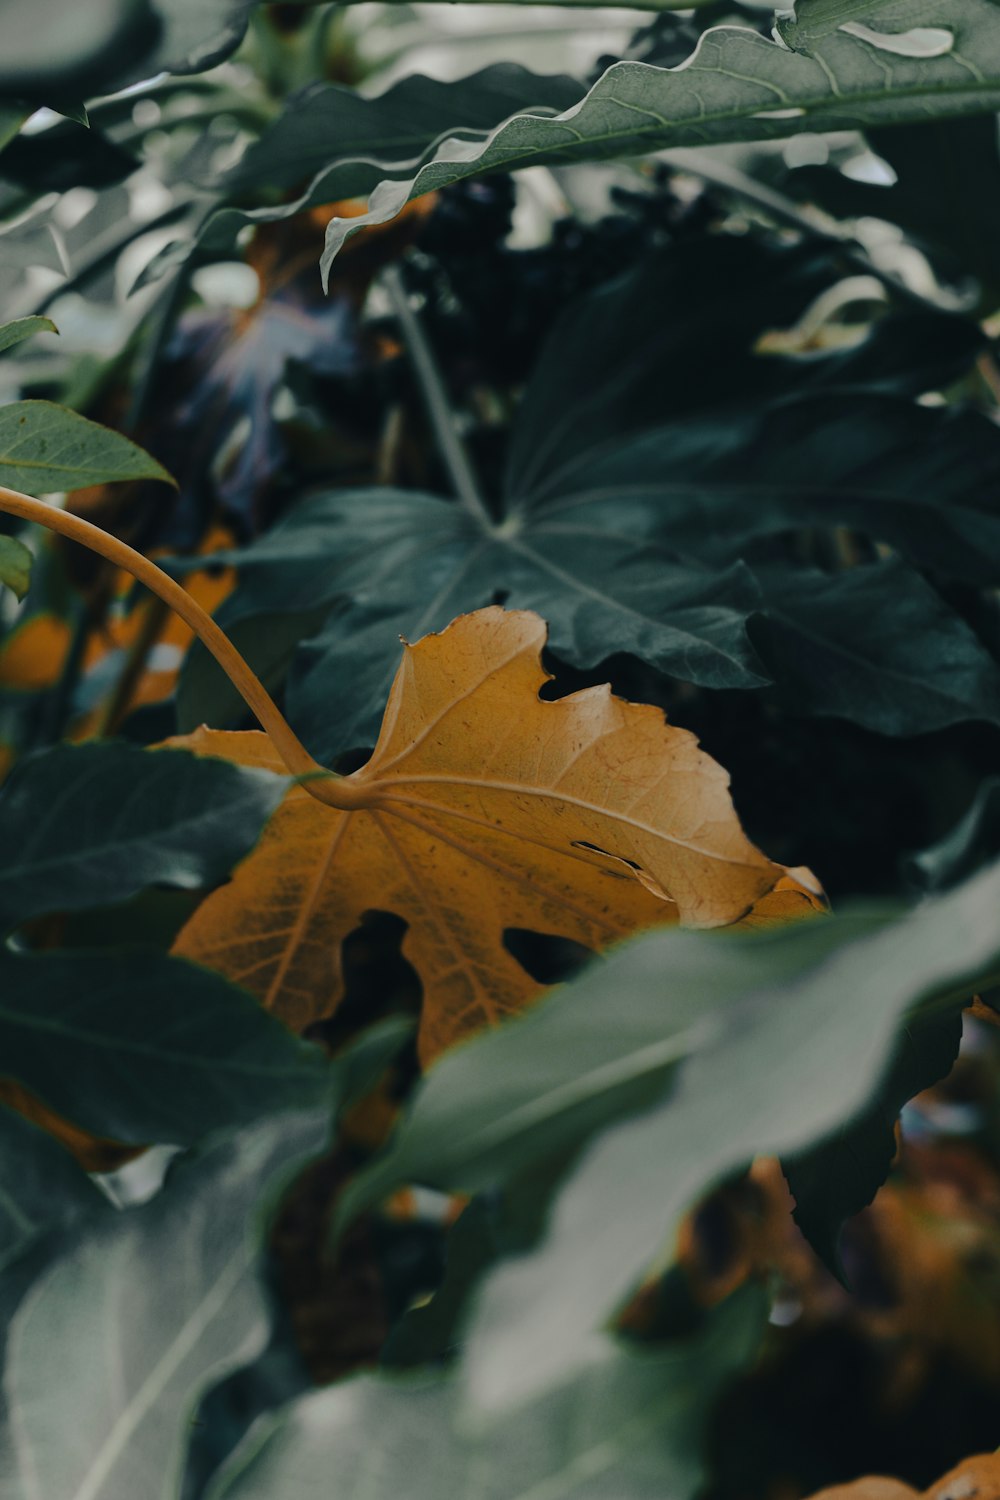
<point>483,808</point>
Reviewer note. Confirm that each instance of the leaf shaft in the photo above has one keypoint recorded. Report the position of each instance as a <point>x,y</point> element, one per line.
<point>332,789</point>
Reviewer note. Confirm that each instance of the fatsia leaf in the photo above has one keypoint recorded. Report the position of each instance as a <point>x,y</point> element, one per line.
<point>788,1065</point>
<point>46,50</point>
<point>137,1046</point>
<point>638,478</point>
<point>874,644</point>
<point>45,447</point>
<point>88,825</point>
<point>23,328</point>
<point>41,1187</point>
<point>632,1426</point>
<point>112,1348</point>
<point>482,808</point>
<point>840,1177</point>
<point>973,842</point>
<point>15,565</point>
<point>483,1115</point>
<point>399,123</point>
<point>833,66</point>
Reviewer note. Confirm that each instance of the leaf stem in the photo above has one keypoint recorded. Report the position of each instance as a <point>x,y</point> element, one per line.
<point>324,785</point>
<point>432,387</point>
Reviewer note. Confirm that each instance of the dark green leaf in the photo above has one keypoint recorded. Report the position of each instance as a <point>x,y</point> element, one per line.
<point>539,1087</point>
<point>874,644</point>
<point>46,49</point>
<point>41,1187</point>
<point>45,447</point>
<point>839,1178</point>
<point>23,328</point>
<point>629,1426</point>
<point>834,66</point>
<point>15,565</point>
<point>973,842</point>
<point>267,644</point>
<point>89,825</point>
<point>112,1348</point>
<point>946,191</point>
<point>328,119</point>
<point>784,1068</point>
<point>141,1047</point>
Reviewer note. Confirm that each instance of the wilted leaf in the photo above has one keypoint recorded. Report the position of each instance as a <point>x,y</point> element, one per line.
<point>973,1479</point>
<point>122,1336</point>
<point>23,328</point>
<point>833,66</point>
<point>482,808</point>
<point>15,565</point>
<point>45,447</point>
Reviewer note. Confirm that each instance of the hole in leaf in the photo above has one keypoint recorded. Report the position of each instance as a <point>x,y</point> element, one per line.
<point>596,849</point>
<point>548,959</point>
<point>922,41</point>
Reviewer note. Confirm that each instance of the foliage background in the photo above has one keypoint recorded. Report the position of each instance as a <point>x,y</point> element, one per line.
<point>724,413</point>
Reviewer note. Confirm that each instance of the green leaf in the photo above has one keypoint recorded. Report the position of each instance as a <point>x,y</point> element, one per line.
<point>15,565</point>
<point>540,1086</point>
<point>838,1179</point>
<point>632,1426</point>
<point>398,124</point>
<point>112,1348</point>
<point>874,644</point>
<point>139,1046</point>
<point>23,328</point>
<point>49,51</point>
<point>635,484</point>
<point>786,1065</point>
<point>835,66</point>
<point>87,825</point>
<point>41,1187</point>
<point>973,842</point>
<point>45,447</point>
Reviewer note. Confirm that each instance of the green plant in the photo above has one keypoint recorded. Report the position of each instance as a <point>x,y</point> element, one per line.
<point>703,406</point>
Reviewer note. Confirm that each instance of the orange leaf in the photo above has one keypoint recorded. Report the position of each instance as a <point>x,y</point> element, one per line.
<point>482,808</point>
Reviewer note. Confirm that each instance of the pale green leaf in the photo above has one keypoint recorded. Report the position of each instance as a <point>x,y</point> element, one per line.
<point>835,66</point>
<point>23,328</point>
<point>785,1068</point>
<point>112,1347</point>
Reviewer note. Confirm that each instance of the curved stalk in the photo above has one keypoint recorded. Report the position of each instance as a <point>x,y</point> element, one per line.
<point>332,789</point>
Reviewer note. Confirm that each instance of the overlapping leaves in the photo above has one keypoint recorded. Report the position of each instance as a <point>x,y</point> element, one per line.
<point>648,506</point>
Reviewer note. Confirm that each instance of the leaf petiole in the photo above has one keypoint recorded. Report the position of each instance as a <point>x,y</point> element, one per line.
<point>326,786</point>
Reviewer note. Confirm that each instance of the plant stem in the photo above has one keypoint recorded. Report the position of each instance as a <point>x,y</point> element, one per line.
<point>436,401</point>
<point>334,790</point>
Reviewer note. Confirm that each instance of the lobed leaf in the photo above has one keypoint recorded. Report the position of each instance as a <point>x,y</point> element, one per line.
<point>482,808</point>
<point>632,1426</point>
<point>102,1377</point>
<point>833,66</point>
<point>792,1064</point>
<point>88,825</point>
